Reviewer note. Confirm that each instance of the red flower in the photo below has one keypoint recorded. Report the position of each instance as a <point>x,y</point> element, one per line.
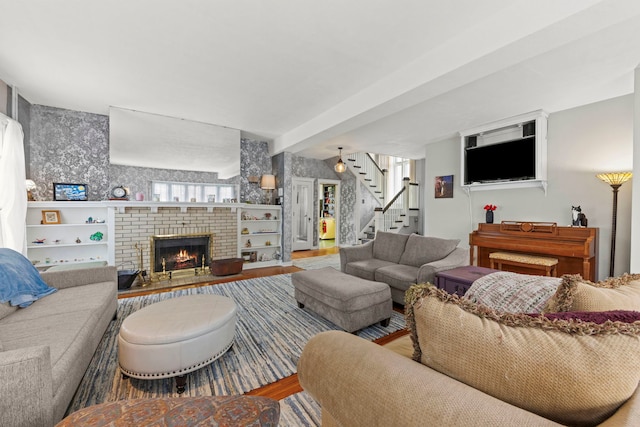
<point>490,207</point>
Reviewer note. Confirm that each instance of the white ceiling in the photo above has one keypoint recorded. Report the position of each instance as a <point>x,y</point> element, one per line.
<point>383,76</point>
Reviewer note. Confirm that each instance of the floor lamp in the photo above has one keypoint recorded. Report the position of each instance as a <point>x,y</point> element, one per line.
<point>615,180</point>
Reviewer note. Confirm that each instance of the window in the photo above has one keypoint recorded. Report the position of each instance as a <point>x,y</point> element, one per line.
<point>164,191</point>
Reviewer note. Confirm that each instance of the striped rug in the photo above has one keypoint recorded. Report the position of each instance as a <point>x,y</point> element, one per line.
<point>270,334</point>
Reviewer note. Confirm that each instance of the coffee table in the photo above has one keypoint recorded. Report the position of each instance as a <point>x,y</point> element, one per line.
<point>459,280</point>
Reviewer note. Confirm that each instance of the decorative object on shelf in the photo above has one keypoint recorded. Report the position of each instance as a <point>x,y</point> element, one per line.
<point>267,215</point>
<point>119,193</point>
<point>211,198</point>
<point>578,219</point>
<point>267,243</point>
<point>51,217</point>
<point>615,180</point>
<point>39,241</point>
<point>248,244</point>
<point>30,187</point>
<point>78,240</point>
<point>245,230</point>
<point>70,192</point>
<point>489,213</point>
<point>268,182</point>
<point>140,196</point>
<point>340,166</point>
<point>97,236</point>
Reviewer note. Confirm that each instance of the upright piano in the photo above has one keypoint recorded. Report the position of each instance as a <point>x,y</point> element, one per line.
<point>576,248</point>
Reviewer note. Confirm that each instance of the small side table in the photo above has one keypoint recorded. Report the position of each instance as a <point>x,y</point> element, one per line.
<point>459,280</point>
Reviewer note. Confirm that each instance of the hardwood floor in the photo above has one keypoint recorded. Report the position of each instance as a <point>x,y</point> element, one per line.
<point>289,385</point>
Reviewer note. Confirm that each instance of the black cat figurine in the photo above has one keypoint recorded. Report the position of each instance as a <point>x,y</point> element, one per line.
<point>578,218</point>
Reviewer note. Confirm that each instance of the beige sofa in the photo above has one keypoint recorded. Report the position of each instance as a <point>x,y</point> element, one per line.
<point>359,383</point>
<point>45,348</point>
<point>524,357</point>
<point>401,260</point>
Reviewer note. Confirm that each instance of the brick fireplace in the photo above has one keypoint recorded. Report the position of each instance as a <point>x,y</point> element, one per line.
<point>135,226</point>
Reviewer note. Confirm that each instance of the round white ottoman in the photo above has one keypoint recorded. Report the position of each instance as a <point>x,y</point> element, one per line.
<point>174,337</point>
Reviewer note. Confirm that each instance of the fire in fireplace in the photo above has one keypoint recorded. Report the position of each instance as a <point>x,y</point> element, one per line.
<point>180,251</point>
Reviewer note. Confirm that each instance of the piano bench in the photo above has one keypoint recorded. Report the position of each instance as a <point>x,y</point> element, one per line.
<point>546,264</point>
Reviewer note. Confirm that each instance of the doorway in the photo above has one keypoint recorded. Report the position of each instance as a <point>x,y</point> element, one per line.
<point>329,213</point>
<point>302,215</point>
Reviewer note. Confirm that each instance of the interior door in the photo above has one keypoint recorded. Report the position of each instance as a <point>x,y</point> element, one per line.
<point>302,226</point>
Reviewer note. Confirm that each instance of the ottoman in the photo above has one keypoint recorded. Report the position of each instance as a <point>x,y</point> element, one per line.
<point>176,336</point>
<point>348,301</point>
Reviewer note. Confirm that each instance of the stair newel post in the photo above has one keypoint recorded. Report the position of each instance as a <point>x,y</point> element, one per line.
<point>383,186</point>
<point>405,201</point>
<point>378,220</point>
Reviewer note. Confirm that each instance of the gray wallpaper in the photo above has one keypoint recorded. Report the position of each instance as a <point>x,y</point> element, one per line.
<point>254,161</point>
<point>138,179</point>
<point>69,146</point>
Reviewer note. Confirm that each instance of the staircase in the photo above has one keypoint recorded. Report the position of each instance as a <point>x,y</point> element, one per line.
<point>394,215</point>
<point>367,170</point>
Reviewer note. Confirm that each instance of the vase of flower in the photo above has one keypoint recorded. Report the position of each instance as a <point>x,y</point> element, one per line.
<point>489,217</point>
<point>489,213</point>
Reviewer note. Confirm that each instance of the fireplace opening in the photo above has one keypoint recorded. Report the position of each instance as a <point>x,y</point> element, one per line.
<point>181,252</point>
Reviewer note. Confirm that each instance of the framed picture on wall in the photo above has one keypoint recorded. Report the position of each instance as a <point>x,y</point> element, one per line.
<point>443,188</point>
<point>51,217</point>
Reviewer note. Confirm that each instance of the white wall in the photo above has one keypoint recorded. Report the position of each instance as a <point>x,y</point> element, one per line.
<point>581,142</point>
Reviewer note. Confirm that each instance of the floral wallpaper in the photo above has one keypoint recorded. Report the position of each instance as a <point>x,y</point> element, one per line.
<point>70,147</point>
<point>254,161</point>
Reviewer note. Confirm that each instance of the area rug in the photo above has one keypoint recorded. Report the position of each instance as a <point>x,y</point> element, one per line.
<point>270,335</point>
<point>300,410</point>
<point>316,262</point>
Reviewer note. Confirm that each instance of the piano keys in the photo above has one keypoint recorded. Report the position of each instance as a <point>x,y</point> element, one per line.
<point>576,248</point>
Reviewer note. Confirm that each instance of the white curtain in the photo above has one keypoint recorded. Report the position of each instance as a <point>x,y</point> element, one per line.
<point>13,187</point>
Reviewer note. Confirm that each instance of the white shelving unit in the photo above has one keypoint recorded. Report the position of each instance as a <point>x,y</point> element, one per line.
<point>69,242</point>
<point>260,235</point>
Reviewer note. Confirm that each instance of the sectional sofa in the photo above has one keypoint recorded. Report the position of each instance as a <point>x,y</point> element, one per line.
<point>402,260</point>
<point>46,347</point>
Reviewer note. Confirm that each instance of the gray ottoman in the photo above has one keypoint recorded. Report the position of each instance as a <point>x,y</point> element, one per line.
<point>348,301</point>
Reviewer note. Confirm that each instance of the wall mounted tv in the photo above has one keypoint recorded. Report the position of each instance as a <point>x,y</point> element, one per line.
<point>501,162</point>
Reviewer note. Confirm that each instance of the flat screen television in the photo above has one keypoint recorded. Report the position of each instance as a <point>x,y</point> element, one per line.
<point>70,192</point>
<point>504,161</point>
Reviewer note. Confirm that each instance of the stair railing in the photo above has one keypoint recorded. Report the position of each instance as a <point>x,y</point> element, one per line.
<point>364,167</point>
<point>395,214</point>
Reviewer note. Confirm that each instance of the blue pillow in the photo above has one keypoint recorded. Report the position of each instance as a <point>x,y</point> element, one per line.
<point>20,282</point>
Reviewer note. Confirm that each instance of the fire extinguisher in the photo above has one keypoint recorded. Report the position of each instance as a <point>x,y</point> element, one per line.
<point>324,226</point>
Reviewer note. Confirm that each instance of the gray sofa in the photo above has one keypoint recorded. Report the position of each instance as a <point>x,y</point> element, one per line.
<point>401,260</point>
<point>45,348</point>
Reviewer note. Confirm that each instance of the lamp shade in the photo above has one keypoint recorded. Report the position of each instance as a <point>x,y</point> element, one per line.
<point>268,182</point>
<point>615,178</point>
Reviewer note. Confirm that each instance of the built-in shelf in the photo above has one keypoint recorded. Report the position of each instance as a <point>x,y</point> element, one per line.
<point>260,224</point>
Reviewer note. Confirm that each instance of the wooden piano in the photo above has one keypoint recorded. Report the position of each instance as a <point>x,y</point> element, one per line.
<point>576,248</point>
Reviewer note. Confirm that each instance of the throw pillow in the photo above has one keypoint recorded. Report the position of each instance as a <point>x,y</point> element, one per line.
<point>20,282</point>
<point>577,294</point>
<point>570,371</point>
<point>421,250</point>
<point>513,292</point>
<point>389,246</point>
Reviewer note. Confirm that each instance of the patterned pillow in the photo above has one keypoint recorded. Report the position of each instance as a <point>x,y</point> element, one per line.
<point>513,292</point>
<point>576,294</point>
<point>589,369</point>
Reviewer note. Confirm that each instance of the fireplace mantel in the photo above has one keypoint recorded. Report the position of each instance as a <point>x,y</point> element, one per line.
<point>121,205</point>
